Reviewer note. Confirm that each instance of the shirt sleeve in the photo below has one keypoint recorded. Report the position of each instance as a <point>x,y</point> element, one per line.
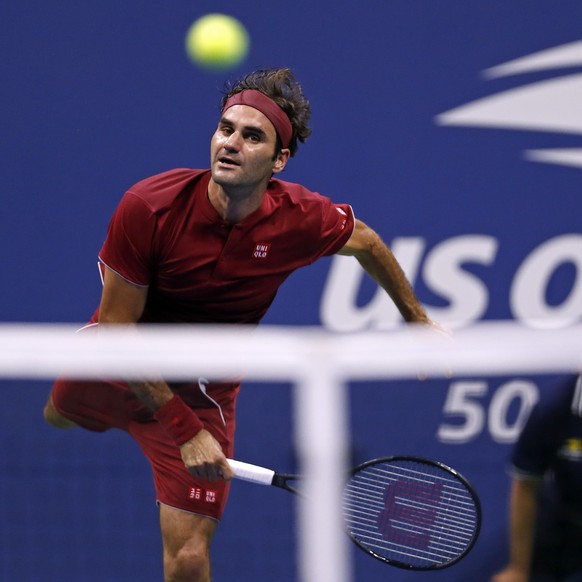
<point>337,226</point>
<point>128,247</point>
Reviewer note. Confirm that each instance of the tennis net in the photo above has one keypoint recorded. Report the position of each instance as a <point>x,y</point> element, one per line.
<point>316,363</point>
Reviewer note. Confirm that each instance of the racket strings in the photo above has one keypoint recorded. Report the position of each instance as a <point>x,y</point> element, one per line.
<point>369,495</point>
<point>410,513</point>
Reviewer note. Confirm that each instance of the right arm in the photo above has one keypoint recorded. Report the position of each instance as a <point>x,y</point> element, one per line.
<point>378,261</point>
<point>123,303</point>
<point>523,514</point>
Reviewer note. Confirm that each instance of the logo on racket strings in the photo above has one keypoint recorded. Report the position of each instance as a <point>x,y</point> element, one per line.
<point>410,510</point>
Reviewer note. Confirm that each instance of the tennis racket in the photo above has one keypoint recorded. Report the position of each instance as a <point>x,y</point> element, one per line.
<point>408,512</point>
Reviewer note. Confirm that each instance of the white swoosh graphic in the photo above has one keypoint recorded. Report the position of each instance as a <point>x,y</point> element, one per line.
<point>565,157</point>
<point>553,105</point>
<point>567,55</point>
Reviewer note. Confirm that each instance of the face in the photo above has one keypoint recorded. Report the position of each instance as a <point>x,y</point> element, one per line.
<point>242,150</point>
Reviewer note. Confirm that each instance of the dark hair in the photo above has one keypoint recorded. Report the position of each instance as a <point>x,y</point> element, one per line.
<point>281,86</point>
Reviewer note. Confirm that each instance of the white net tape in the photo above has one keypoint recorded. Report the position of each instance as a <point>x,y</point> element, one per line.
<point>179,352</point>
<point>319,362</point>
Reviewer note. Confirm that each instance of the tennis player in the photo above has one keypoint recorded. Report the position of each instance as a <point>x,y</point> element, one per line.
<point>213,246</point>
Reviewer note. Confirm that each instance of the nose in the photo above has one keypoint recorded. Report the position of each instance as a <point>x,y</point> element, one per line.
<point>232,142</point>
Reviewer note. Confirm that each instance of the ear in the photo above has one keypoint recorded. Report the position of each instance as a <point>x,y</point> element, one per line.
<point>281,160</point>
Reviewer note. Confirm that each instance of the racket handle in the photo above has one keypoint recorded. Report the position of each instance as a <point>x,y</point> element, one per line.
<point>252,473</point>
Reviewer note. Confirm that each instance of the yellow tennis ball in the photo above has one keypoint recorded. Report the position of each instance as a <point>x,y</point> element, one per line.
<point>217,41</point>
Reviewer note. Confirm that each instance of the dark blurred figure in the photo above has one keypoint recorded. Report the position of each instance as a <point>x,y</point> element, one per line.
<point>546,495</point>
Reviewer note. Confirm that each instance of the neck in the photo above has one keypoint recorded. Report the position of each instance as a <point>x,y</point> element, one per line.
<point>234,205</point>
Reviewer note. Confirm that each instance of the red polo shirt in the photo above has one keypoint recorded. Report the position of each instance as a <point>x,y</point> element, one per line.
<point>166,235</point>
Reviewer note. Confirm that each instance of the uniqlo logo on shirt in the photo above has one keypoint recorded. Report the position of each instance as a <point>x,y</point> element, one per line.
<point>210,497</point>
<point>195,493</point>
<point>261,250</point>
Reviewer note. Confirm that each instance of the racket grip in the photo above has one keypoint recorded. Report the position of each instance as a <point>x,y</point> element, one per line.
<point>252,473</point>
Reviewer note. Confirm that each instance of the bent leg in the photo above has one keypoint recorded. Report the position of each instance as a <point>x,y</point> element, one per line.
<point>186,539</point>
<point>93,404</point>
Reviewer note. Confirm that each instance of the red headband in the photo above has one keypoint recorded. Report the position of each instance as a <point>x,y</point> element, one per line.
<point>268,108</point>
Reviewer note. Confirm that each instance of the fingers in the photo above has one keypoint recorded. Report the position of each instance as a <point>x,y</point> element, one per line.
<point>437,333</point>
<point>204,459</point>
<point>210,472</point>
<point>439,329</point>
<point>227,472</point>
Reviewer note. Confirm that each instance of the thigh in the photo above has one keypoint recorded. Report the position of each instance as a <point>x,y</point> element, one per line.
<point>97,405</point>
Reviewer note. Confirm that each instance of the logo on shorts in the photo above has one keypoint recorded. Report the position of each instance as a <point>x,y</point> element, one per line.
<point>261,250</point>
<point>195,493</point>
<point>206,495</point>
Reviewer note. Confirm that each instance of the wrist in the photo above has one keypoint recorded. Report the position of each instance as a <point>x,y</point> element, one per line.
<point>178,420</point>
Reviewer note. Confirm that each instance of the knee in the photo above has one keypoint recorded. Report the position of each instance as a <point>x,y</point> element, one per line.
<point>191,563</point>
<point>55,418</point>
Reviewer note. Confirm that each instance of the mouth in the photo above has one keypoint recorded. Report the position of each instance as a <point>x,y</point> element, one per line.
<point>228,162</point>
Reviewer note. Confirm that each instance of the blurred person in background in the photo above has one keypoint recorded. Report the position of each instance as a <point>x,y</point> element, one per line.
<point>545,524</point>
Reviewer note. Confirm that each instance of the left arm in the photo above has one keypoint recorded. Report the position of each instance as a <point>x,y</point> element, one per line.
<point>379,262</point>
<point>523,515</point>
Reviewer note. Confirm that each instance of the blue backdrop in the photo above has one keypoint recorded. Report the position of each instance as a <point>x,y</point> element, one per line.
<point>454,129</point>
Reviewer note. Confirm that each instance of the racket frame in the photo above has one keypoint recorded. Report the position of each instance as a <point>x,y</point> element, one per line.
<point>263,476</point>
<point>430,462</point>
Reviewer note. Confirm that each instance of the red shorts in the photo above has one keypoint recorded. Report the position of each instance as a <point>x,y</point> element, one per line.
<point>100,405</point>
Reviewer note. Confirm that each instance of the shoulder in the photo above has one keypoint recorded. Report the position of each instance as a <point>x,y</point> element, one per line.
<point>309,209</point>
<point>555,405</point>
<point>561,399</point>
<point>313,207</point>
<point>159,192</point>
<point>296,195</point>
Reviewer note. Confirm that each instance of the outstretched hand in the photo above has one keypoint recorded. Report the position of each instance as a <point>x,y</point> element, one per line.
<point>203,457</point>
<point>441,333</point>
<point>438,328</point>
